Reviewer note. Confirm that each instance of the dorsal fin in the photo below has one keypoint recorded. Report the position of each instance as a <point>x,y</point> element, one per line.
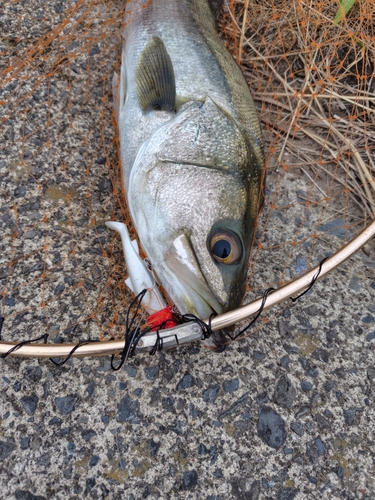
<point>156,88</point>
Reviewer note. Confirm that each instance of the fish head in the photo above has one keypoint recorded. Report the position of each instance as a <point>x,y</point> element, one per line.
<point>193,203</point>
<point>207,250</point>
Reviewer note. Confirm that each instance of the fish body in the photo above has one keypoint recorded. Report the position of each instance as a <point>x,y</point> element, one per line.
<point>191,151</point>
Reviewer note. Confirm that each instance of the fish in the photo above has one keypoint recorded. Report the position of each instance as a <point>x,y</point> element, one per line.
<point>192,158</point>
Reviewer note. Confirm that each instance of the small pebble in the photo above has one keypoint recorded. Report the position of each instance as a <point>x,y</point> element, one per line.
<point>368,319</point>
<point>20,192</point>
<point>262,398</point>
<point>87,434</point>
<point>153,447</point>
<point>306,386</point>
<point>302,411</point>
<point>30,403</point>
<point>315,449</point>
<point>210,394</point>
<point>66,404</point>
<point>130,370</point>
<point>231,386</point>
<point>297,428</point>
<point>24,443</point>
<point>349,416</point>
<point>285,392</point>
<point>91,389</point>
<point>328,385</point>
<point>284,361</point>
<point>271,427</point>
<point>9,301</point>
<point>6,449</point>
<point>287,493</point>
<point>190,480</point>
<point>340,472</point>
<point>371,372</point>
<point>312,372</point>
<point>321,355</point>
<point>259,355</point>
<point>152,372</point>
<point>186,382</point>
<point>55,420</point>
<point>128,409</point>
<point>17,386</point>
<point>312,479</point>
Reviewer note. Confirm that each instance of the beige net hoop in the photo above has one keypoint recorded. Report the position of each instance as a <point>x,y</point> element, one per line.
<point>310,67</point>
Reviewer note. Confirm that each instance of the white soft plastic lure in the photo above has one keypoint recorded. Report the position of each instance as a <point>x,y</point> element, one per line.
<point>140,277</point>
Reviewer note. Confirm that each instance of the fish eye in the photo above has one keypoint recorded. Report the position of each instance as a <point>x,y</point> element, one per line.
<point>225,246</point>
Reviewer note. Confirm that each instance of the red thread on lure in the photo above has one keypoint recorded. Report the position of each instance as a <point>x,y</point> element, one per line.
<point>163,317</point>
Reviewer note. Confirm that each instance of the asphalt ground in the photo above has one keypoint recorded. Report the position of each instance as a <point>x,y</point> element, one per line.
<point>286,413</point>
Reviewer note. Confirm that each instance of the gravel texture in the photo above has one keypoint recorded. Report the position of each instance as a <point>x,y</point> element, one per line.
<point>189,423</point>
<point>286,413</point>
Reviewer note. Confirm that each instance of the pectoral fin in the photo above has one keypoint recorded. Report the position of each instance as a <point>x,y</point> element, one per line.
<point>155,80</point>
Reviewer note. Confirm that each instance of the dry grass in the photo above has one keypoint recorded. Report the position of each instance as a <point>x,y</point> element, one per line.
<point>316,78</point>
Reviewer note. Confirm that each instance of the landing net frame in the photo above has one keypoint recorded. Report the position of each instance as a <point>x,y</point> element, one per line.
<point>219,322</point>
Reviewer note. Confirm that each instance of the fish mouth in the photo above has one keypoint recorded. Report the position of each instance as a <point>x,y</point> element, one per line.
<point>203,305</point>
<point>196,296</point>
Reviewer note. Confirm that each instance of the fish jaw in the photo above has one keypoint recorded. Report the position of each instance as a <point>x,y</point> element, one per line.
<point>195,296</point>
